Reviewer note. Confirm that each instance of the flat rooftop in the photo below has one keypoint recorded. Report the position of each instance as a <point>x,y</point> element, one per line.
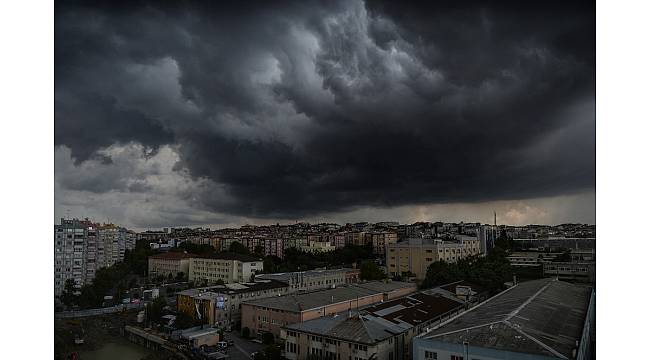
<point>543,317</point>
<point>378,322</point>
<point>235,288</point>
<point>316,299</point>
<point>287,275</point>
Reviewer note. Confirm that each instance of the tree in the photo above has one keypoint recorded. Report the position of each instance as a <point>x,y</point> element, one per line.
<point>67,297</point>
<point>268,338</point>
<point>183,321</point>
<point>180,276</point>
<point>155,309</point>
<point>219,282</point>
<point>238,248</point>
<point>259,250</point>
<point>245,332</point>
<point>370,271</point>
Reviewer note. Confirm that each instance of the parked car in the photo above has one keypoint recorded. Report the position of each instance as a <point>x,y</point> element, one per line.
<point>230,342</point>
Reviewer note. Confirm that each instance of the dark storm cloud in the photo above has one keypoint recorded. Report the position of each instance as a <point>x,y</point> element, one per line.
<point>299,108</point>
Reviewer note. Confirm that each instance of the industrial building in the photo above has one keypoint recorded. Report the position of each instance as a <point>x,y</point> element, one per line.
<point>539,319</point>
<point>270,314</point>
<point>383,331</point>
<point>221,305</point>
<point>315,279</point>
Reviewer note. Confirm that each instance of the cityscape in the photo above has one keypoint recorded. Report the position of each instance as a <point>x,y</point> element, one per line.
<point>303,291</point>
<point>325,180</point>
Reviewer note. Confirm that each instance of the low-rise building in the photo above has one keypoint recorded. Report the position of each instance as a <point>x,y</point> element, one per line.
<point>221,305</point>
<point>170,263</point>
<point>583,271</point>
<point>315,279</point>
<point>383,331</point>
<point>539,319</point>
<point>227,267</point>
<point>415,255</point>
<point>270,314</point>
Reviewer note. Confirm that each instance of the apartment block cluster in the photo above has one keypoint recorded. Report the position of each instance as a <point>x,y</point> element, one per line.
<point>81,247</point>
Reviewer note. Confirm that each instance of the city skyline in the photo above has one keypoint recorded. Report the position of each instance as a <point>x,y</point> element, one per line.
<point>206,114</point>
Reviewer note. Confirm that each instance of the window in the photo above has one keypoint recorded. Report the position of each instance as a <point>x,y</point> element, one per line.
<point>431,355</point>
<point>456,357</point>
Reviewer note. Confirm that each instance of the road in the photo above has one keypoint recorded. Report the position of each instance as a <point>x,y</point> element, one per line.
<point>243,347</point>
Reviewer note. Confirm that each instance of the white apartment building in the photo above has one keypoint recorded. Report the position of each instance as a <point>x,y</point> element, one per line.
<point>82,247</point>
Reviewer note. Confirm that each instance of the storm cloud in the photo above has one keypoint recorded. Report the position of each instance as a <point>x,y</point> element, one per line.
<point>294,109</point>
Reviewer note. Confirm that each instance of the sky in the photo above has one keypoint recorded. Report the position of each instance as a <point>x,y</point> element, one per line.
<point>226,113</point>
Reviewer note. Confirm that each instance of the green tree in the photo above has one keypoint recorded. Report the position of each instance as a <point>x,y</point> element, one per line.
<point>238,248</point>
<point>371,271</point>
<point>180,276</point>
<point>154,310</point>
<point>268,338</point>
<point>67,297</point>
<point>183,321</point>
<point>259,250</point>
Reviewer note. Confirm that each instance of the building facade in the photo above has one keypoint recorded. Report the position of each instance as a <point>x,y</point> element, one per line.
<point>415,255</point>
<point>221,305</point>
<point>227,267</point>
<point>315,279</point>
<point>271,314</point>
<point>169,264</point>
<point>382,331</point>
<point>82,247</point>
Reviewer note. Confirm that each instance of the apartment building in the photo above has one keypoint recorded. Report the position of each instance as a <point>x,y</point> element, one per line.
<point>221,305</point>
<point>415,255</point>
<point>170,264</point>
<point>318,246</point>
<point>381,240</point>
<point>82,247</point>
<point>357,238</point>
<point>270,314</point>
<point>383,331</point>
<point>315,279</point>
<point>274,247</point>
<point>227,267</point>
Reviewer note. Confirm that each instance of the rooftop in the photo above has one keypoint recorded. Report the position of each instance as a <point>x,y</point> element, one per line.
<point>173,256</point>
<point>235,288</point>
<point>543,317</point>
<point>287,275</point>
<point>316,299</point>
<point>379,322</point>
<point>230,256</point>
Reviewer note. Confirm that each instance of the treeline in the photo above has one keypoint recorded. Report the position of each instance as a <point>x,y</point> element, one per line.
<point>491,271</point>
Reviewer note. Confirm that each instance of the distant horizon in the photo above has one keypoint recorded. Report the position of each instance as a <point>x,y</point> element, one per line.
<point>222,227</point>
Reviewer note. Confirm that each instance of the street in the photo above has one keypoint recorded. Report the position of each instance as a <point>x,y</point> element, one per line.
<point>242,347</point>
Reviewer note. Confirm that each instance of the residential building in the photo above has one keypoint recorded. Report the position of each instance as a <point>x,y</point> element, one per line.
<point>170,264</point>
<point>539,319</point>
<point>227,267</point>
<point>318,246</point>
<point>383,331</point>
<point>221,305</point>
<point>415,255</point>
<point>315,279</point>
<point>82,247</point>
<point>270,314</point>
<point>274,247</point>
<point>381,240</point>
